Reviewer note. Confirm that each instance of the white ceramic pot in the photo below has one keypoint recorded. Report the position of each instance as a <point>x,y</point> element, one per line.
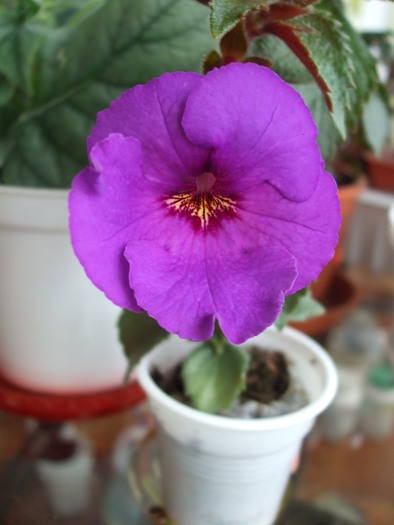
<point>57,331</point>
<point>224,471</point>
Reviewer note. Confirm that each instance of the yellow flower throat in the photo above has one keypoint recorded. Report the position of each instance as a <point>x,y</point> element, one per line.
<point>202,204</point>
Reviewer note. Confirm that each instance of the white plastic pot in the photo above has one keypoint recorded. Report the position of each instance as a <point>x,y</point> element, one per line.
<point>57,331</point>
<point>69,482</point>
<point>224,471</point>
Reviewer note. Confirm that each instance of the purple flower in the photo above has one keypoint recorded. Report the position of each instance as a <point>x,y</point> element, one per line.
<point>205,199</point>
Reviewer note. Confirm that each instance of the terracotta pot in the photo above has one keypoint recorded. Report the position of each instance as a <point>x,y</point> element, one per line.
<point>348,197</point>
<point>381,169</point>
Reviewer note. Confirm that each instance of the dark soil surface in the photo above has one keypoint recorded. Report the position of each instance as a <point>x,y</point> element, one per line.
<point>267,378</point>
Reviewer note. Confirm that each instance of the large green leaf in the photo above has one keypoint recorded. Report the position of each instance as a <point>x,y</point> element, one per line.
<point>85,65</point>
<point>294,72</point>
<point>331,51</point>
<point>212,379</point>
<point>19,43</point>
<point>342,59</point>
<point>329,137</point>
<point>285,63</point>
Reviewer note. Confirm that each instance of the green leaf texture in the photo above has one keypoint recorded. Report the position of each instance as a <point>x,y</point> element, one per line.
<point>226,13</point>
<point>80,68</point>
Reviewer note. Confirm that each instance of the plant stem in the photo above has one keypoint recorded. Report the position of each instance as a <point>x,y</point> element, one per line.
<point>218,341</point>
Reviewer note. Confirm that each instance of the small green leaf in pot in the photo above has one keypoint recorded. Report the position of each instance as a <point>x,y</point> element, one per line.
<point>213,380</point>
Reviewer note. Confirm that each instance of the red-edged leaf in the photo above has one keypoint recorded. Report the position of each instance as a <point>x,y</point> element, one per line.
<point>234,44</point>
<point>286,11</point>
<point>257,19</point>
<point>261,61</point>
<point>289,35</point>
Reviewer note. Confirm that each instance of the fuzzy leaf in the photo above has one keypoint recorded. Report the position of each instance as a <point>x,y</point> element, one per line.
<point>291,36</point>
<point>226,13</point>
<point>295,73</point>
<point>132,42</point>
<point>298,307</point>
<point>342,59</point>
<point>214,380</point>
<point>329,137</point>
<point>138,334</point>
<point>284,62</point>
<point>335,56</point>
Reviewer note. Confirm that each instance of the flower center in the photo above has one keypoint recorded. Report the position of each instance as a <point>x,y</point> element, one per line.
<point>202,205</point>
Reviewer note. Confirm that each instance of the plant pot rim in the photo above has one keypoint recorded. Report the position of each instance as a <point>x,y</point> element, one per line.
<point>30,191</point>
<point>308,412</point>
<point>38,209</point>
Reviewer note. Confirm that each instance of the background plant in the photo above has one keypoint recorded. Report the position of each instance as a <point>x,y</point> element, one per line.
<point>61,61</point>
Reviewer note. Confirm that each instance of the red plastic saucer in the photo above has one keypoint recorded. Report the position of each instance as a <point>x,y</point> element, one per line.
<point>65,407</point>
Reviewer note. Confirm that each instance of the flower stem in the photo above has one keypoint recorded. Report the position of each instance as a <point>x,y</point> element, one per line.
<point>218,341</point>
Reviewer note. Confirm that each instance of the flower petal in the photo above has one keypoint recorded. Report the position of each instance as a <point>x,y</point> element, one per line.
<point>259,127</point>
<point>105,203</point>
<point>152,113</point>
<point>187,281</point>
<point>308,230</point>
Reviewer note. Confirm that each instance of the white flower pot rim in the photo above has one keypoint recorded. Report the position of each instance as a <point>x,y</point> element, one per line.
<point>9,189</point>
<point>270,423</point>
<point>39,209</point>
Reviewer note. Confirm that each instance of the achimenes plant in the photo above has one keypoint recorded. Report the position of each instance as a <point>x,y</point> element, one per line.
<point>206,201</point>
<point>206,210</point>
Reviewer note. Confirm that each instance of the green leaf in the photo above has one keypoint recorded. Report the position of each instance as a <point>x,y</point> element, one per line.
<point>214,380</point>
<point>334,54</point>
<point>343,60</point>
<point>82,67</point>
<point>294,72</point>
<point>19,43</point>
<point>376,122</point>
<point>226,13</point>
<point>329,137</point>
<point>6,90</point>
<point>298,307</point>
<point>288,67</point>
<point>138,334</point>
